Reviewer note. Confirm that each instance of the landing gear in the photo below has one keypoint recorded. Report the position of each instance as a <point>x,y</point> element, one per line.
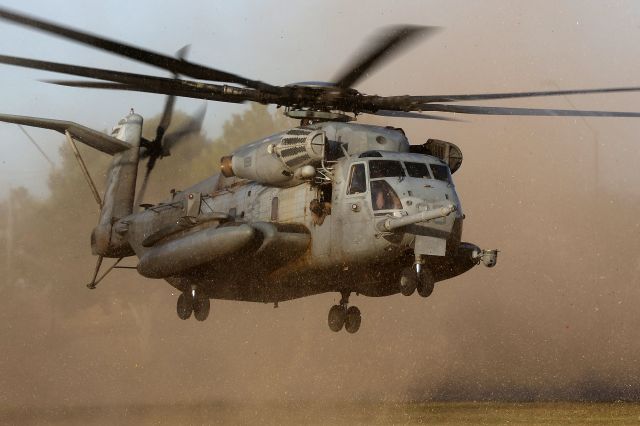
<point>337,316</point>
<point>352,320</point>
<point>416,277</point>
<point>426,283</point>
<point>185,306</point>
<point>201,307</point>
<point>341,316</point>
<point>195,302</point>
<point>408,281</point>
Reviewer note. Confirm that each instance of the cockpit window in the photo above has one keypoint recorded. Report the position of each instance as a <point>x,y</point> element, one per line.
<point>357,179</point>
<point>385,168</point>
<point>370,154</point>
<point>441,172</point>
<point>383,197</point>
<point>417,170</point>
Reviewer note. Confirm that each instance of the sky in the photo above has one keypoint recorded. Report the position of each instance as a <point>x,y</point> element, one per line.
<point>484,46</point>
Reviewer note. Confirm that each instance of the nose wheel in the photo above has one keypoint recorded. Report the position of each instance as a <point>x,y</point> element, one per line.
<point>196,302</point>
<point>345,316</point>
<point>408,281</point>
<point>201,308</point>
<point>184,306</point>
<point>417,278</point>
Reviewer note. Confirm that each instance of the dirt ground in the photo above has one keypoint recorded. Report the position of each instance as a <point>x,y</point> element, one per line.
<point>339,413</point>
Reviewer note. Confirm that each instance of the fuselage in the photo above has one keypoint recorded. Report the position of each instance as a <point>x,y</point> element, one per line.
<point>315,236</point>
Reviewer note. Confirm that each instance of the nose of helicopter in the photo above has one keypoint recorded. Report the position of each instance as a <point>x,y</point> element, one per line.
<point>420,196</point>
<point>437,217</point>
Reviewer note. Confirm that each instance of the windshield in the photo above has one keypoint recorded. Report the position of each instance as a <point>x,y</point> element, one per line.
<point>417,170</point>
<point>441,172</point>
<point>385,168</point>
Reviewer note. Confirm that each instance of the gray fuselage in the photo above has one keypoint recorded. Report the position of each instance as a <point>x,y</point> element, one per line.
<point>312,237</point>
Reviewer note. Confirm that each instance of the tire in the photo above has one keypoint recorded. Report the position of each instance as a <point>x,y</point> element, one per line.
<point>426,283</point>
<point>184,306</point>
<point>337,316</point>
<point>201,307</point>
<point>408,281</point>
<point>352,320</point>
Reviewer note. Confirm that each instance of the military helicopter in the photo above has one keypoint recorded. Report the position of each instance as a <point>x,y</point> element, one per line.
<point>329,206</point>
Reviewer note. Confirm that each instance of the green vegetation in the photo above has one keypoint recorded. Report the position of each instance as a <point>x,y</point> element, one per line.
<point>442,413</point>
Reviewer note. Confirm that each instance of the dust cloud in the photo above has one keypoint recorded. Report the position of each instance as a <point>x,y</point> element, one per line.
<point>556,319</point>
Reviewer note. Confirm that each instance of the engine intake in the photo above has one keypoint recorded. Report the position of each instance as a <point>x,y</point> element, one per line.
<point>282,160</point>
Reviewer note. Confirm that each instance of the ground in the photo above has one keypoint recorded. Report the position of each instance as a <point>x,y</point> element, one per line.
<point>339,413</point>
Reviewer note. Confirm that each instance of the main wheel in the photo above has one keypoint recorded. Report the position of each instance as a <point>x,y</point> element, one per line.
<point>337,316</point>
<point>426,283</point>
<point>184,306</point>
<point>408,281</point>
<point>201,307</point>
<point>352,320</point>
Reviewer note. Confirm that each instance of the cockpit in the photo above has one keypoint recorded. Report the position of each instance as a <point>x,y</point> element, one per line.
<point>390,179</point>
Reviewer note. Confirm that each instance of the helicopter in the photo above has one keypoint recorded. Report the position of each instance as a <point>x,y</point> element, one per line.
<point>328,206</point>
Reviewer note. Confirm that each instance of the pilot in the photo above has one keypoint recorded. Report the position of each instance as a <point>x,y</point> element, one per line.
<point>379,197</point>
<point>384,198</point>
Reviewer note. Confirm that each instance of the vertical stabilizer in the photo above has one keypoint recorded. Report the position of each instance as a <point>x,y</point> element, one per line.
<point>120,190</point>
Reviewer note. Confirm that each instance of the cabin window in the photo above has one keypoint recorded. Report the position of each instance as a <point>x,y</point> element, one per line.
<point>441,172</point>
<point>417,170</point>
<point>357,179</point>
<point>232,212</point>
<point>383,197</point>
<point>385,168</point>
<point>274,209</point>
<point>333,150</point>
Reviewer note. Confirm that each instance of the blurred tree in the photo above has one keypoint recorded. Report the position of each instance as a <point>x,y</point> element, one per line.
<point>47,241</point>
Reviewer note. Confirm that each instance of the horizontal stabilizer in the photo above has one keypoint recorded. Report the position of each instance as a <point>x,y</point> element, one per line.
<point>93,138</point>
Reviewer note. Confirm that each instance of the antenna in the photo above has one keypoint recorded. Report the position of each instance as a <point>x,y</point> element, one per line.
<point>33,141</point>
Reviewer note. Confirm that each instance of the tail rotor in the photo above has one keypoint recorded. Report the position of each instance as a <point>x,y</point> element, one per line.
<point>161,145</point>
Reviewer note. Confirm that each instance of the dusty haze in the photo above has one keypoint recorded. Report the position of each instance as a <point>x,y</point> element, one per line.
<point>557,318</point>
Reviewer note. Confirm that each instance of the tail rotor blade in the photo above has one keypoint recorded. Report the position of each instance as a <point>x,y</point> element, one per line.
<point>192,126</point>
<point>145,181</point>
<point>165,120</point>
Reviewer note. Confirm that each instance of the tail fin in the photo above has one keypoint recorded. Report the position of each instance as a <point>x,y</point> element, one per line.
<point>123,145</point>
<point>120,191</point>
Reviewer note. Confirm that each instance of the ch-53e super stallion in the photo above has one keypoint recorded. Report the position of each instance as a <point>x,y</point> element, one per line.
<point>329,206</point>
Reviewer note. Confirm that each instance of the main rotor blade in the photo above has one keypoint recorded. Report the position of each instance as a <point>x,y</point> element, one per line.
<point>488,96</point>
<point>388,42</point>
<point>482,110</point>
<point>178,66</point>
<point>153,87</point>
<point>406,114</point>
<point>146,83</point>
<point>92,84</point>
